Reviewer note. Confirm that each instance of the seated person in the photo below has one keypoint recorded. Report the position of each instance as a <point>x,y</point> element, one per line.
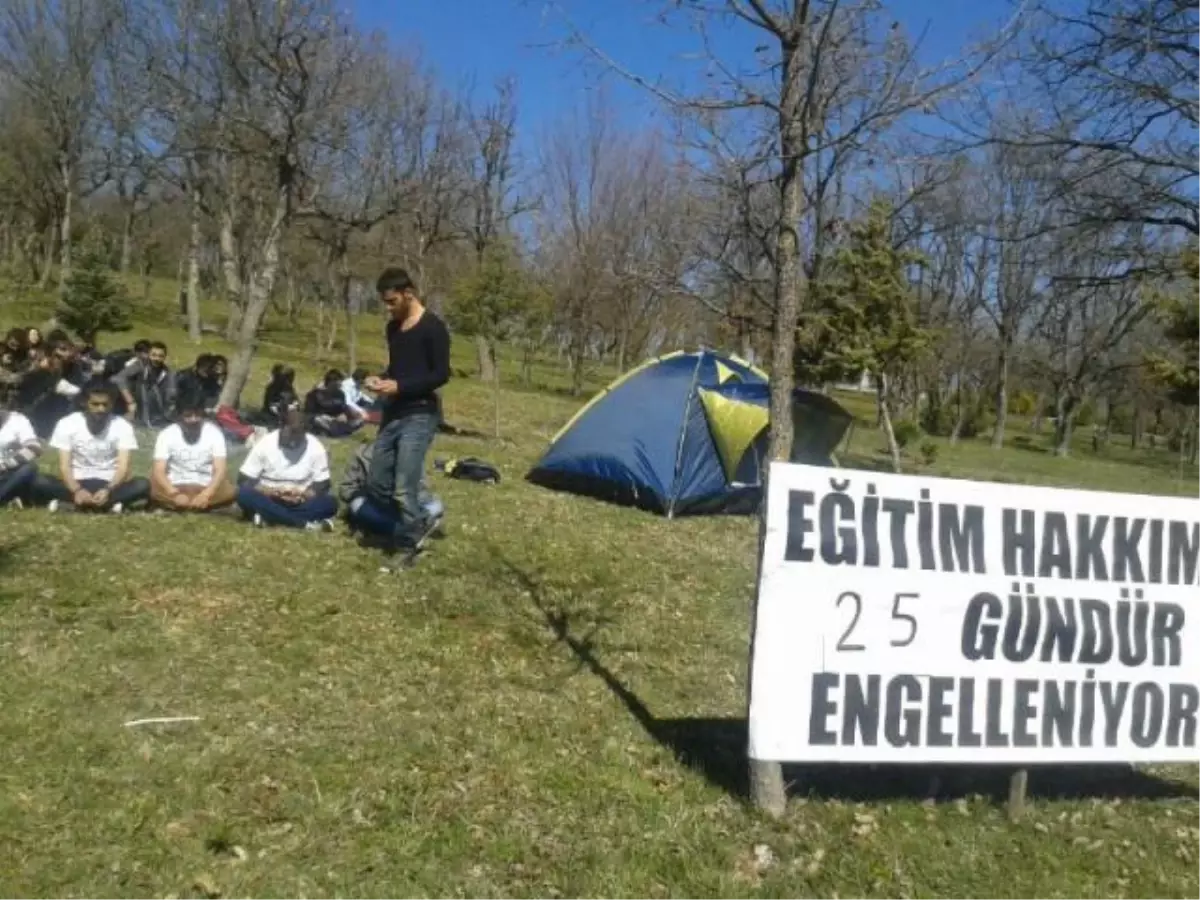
<point>19,450</point>
<point>282,384</point>
<point>44,395</point>
<point>327,410</point>
<point>94,448</point>
<point>148,388</point>
<point>189,472</point>
<point>364,513</point>
<point>285,479</point>
<point>357,399</point>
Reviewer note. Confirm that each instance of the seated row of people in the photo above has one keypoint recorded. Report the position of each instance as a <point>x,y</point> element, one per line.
<point>285,479</point>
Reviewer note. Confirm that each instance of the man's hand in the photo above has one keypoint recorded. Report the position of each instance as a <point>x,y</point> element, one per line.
<point>82,497</point>
<point>386,387</point>
<point>202,499</point>
<point>100,498</point>
<point>182,500</point>
<point>371,382</point>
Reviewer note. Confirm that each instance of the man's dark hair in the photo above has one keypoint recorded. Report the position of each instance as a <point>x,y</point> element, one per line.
<point>204,362</point>
<point>99,386</point>
<point>190,401</point>
<point>157,345</point>
<point>56,344</point>
<point>394,279</point>
<point>334,377</point>
<point>360,374</point>
<point>287,402</point>
<point>142,346</point>
<point>57,335</point>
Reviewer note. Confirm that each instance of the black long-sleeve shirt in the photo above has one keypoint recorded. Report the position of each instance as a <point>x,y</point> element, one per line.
<point>419,362</point>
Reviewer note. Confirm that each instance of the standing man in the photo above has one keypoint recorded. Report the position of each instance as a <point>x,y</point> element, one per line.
<point>418,364</point>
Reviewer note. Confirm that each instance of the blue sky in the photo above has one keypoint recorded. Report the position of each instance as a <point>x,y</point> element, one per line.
<point>486,39</point>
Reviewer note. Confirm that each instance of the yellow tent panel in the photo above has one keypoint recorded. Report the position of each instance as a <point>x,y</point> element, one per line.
<point>724,373</point>
<point>734,426</point>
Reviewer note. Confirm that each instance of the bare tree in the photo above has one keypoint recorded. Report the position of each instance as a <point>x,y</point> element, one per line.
<point>1086,322</point>
<point>492,207</point>
<point>52,49</point>
<point>772,116</point>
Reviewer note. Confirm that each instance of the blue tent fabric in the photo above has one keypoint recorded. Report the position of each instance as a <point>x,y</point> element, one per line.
<point>645,441</point>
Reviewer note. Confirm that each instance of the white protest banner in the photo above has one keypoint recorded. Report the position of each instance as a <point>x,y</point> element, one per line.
<point>909,619</point>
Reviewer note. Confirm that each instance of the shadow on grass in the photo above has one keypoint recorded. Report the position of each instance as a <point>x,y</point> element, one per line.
<point>716,747</point>
<point>10,551</point>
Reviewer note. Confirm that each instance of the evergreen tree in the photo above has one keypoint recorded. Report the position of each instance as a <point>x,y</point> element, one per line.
<point>489,304</point>
<point>93,300</point>
<point>863,316</point>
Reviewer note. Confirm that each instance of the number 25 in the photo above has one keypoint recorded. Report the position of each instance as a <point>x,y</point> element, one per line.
<point>843,642</point>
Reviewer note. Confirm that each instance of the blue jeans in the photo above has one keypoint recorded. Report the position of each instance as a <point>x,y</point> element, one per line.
<point>273,512</point>
<point>375,518</point>
<point>15,483</point>
<point>398,468</point>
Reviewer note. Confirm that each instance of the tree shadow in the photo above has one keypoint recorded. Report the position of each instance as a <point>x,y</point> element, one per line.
<point>716,747</point>
<point>10,551</point>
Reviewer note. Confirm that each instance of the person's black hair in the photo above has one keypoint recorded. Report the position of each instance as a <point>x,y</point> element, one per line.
<point>57,334</point>
<point>157,345</point>
<point>360,374</point>
<point>141,346</point>
<point>203,361</point>
<point>334,377</point>
<point>394,279</point>
<point>284,404</point>
<point>190,401</point>
<point>21,336</point>
<point>55,344</point>
<point>99,386</point>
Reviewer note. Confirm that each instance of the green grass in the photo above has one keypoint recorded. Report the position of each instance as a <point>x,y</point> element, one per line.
<point>546,705</point>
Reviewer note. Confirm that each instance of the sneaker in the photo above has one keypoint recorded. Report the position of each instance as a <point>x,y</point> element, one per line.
<point>116,509</point>
<point>52,506</point>
<point>323,525</point>
<point>258,521</point>
<point>16,504</point>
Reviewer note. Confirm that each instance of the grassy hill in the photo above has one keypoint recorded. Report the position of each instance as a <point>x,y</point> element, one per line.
<point>546,705</point>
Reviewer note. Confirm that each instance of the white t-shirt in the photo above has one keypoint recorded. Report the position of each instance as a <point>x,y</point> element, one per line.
<point>189,463</point>
<point>16,433</point>
<point>93,455</point>
<point>276,467</point>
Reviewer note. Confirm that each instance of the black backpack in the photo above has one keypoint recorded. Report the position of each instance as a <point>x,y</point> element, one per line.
<point>469,469</point>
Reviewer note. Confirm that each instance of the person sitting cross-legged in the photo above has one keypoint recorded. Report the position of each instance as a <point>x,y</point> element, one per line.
<point>94,448</point>
<point>189,472</point>
<point>380,522</point>
<point>19,450</point>
<point>285,479</point>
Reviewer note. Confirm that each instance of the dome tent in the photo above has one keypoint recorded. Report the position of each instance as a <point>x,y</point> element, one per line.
<point>685,433</point>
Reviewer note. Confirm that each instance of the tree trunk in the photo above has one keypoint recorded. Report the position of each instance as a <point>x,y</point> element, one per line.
<point>960,418</point>
<point>234,289</point>
<point>485,356</point>
<point>885,416</point>
<point>48,257</point>
<point>68,185</point>
<point>351,324</point>
<point>261,288</point>
<point>1039,412</point>
<point>127,238</point>
<point>1001,393</point>
<point>1066,409</point>
<point>1135,426</point>
<point>496,396</point>
<point>766,776</point>
<point>193,279</point>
